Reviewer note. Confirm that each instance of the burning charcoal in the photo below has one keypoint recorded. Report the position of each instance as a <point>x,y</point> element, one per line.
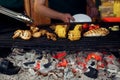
<point>117,76</point>
<point>78,74</point>
<point>44,53</point>
<point>19,57</point>
<point>40,57</point>
<point>47,65</point>
<point>67,74</point>
<point>111,59</point>
<point>60,74</point>
<point>103,78</point>
<point>84,77</point>
<point>81,64</point>
<point>84,65</point>
<point>52,76</point>
<point>17,51</point>
<point>94,55</point>
<point>92,62</point>
<point>101,65</point>
<point>60,55</point>
<point>32,72</point>
<point>29,56</point>
<point>75,79</point>
<point>7,67</point>
<point>112,70</point>
<point>71,61</point>
<point>102,75</point>
<point>32,51</point>
<point>28,64</point>
<point>63,63</point>
<point>92,73</point>
<point>37,65</point>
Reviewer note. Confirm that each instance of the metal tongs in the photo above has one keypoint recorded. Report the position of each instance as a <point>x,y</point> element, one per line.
<point>15,15</point>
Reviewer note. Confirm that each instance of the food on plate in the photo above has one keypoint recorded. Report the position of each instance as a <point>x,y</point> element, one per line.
<point>75,34</point>
<point>96,32</point>
<point>61,30</point>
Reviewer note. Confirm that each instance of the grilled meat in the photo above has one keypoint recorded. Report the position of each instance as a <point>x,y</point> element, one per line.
<point>96,32</point>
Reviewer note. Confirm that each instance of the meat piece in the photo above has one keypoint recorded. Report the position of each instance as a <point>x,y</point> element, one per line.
<point>96,32</point>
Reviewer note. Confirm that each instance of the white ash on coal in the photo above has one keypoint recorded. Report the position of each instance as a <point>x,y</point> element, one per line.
<point>63,65</point>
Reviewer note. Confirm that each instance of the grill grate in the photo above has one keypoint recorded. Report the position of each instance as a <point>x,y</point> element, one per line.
<point>109,42</point>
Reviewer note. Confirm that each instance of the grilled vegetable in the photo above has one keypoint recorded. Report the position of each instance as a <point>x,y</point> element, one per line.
<point>114,28</point>
<point>93,26</point>
<point>61,30</point>
<point>75,34</point>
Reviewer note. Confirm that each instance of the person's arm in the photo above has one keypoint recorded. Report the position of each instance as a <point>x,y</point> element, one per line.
<point>43,10</point>
<point>92,7</point>
<point>91,3</point>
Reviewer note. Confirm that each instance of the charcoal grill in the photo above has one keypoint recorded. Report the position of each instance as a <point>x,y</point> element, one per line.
<point>110,42</point>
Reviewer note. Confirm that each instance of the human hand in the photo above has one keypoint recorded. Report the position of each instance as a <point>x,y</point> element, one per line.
<point>66,17</point>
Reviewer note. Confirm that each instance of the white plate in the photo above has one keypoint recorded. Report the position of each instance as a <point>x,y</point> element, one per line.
<point>81,18</point>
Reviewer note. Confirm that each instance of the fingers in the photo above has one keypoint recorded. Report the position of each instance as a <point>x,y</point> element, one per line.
<point>68,17</point>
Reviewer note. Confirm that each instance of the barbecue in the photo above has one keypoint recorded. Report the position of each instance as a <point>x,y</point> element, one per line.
<point>47,54</point>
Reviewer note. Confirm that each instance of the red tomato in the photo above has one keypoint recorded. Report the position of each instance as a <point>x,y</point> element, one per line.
<point>92,26</point>
<point>85,26</point>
